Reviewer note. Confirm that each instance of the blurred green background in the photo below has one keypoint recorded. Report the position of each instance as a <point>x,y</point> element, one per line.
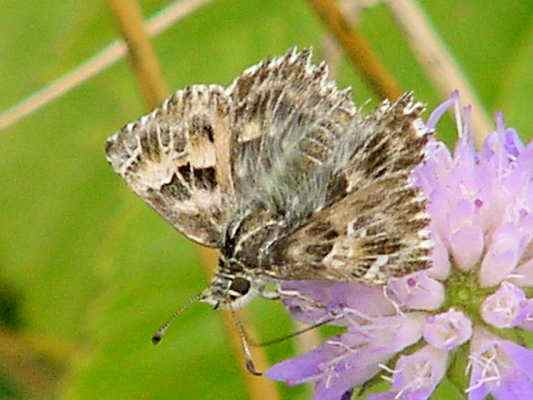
<point>87,271</point>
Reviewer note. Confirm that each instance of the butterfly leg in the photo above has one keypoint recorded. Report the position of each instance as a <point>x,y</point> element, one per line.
<point>300,297</point>
<point>268,292</point>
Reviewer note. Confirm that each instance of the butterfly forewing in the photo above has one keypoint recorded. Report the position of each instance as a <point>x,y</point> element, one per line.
<point>177,160</point>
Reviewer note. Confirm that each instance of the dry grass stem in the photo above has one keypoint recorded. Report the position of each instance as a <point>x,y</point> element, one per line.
<point>258,387</point>
<point>437,61</point>
<point>357,49</point>
<point>96,64</point>
<point>145,64</point>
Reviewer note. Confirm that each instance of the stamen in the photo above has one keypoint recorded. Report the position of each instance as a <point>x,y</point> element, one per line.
<point>349,351</point>
<point>421,374</point>
<point>490,369</point>
<point>298,295</point>
<point>458,117</point>
<point>394,304</point>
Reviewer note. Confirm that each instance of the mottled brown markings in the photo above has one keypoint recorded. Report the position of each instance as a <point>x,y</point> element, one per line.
<point>205,178</point>
<point>176,189</point>
<point>315,151</point>
<point>164,135</point>
<point>153,143</point>
<point>282,108</point>
<point>337,189</point>
<point>385,245</point>
<point>374,230</point>
<point>417,224</point>
<point>185,173</point>
<point>281,99</point>
<point>179,143</point>
<point>319,250</point>
<point>330,235</point>
<point>208,129</point>
<point>319,228</point>
<point>201,127</point>
<point>155,199</point>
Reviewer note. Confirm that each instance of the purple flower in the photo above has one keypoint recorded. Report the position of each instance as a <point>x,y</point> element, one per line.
<point>481,205</point>
<point>448,330</point>
<point>417,375</point>
<point>499,367</point>
<point>503,308</point>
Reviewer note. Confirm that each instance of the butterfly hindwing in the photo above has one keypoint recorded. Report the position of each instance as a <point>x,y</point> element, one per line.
<point>177,159</point>
<point>379,227</point>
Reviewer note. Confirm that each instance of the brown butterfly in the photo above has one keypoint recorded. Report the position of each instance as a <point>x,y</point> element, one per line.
<point>285,176</point>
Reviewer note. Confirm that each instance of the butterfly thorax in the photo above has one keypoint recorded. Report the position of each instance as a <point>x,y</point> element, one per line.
<point>249,238</point>
<point>245,263</point>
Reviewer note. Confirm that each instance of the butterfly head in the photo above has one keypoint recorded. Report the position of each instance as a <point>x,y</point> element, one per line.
<point>229,290</point>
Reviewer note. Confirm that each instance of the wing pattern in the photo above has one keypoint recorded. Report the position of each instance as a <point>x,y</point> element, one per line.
<point>172,159</point>
<point>379,228</point>
<point>284,174</point>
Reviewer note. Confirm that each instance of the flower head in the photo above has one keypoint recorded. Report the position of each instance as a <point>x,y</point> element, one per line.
<point>481,207</point>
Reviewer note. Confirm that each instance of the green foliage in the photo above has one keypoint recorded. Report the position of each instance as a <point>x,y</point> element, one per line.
<point>97,269</point>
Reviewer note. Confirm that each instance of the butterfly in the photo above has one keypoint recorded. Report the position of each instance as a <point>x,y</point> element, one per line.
<point>285,176</point>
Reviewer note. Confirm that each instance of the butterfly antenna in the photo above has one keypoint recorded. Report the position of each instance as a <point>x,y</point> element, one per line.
<point>250,366</point>
<point>294,334</point>
<point>158,335</point>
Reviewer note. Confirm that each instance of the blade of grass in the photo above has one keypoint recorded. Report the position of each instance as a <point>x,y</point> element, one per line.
<point>96,64</point>
<point>438,62</point>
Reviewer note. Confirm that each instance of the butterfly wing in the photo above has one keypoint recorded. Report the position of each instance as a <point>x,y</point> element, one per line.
<point>177,160</point>
<point>289,125</point>
<point>283,151</point>
<point>378,228</point>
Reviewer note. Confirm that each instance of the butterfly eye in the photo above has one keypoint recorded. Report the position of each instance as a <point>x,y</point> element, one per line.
<point>240,285</point>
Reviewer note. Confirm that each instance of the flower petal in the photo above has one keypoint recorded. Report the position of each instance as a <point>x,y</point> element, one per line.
<point>416,291</point>
<point>390,395</point>
<point>515,387</point>
<point>502,256</point>
<point>434,171</point>
<point>466,246</point>
<point>523,275</point>
<point>300,369</point>
<point>525,317</point>
<point>313,301</point>
<point>502,308</point>
<point>447,330</point>
<point>348,360</point>
<point>438,112</point>
<point>522,357</point>
<point>500,367</point>
<point>417,375</point>
<point>335,385</point>
<point>441,260</point>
